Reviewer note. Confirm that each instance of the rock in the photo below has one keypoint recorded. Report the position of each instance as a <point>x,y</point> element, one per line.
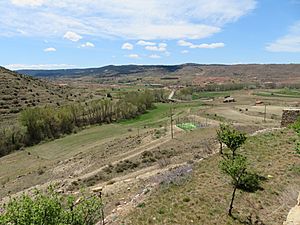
<point>97,189</point>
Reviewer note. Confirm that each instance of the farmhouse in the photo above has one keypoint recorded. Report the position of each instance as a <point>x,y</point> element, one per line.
<point>228,99</point>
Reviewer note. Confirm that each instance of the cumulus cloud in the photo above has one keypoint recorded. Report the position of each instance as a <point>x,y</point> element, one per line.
<point>87,45</point>
<point>162,47</point>
<point>209,46</point>
<point>154,56</point>
<point>287,43</point>
<point>38,66</point>
<point>51,49</point>
<point>184,43</point>
<point>145,43</point>
<point>133,56</point>
<point>72,36</point>
<point>184,51</point>
<point>127,19</point>
<point>127,46</point>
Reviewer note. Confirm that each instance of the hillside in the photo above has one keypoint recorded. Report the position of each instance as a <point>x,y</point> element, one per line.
<point>20,91</point>
<point>203,197</point>
<point>196,72</point>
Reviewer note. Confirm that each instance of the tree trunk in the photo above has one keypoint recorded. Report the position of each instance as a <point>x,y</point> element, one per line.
<point>221,148</point>
<point>231,203</point>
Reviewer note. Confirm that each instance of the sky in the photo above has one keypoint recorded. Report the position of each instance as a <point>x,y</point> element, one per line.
<point>54,34</point>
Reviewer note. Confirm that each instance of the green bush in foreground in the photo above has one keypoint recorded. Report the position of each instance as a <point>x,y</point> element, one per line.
<point>51,208</point>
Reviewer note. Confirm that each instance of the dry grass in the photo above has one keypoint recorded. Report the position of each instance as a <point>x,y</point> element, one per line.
<point>204,198</point>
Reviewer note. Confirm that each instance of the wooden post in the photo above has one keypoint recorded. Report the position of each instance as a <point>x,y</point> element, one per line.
<point>265,114</point>
<point>171,115</point>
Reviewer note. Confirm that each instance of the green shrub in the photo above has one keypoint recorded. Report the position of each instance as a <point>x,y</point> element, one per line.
<point>51,208</point>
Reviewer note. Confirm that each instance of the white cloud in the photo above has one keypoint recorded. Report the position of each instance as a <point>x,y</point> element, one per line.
<point>287,43</point>
<point>133,56</point>
<point>126,19</point>
<point>184,51</point>
<point>38,66</point>
<point>72,36</point>
<point>88,45</point>
<point>127,46</point>
<point>184,43</point>
<point>31,3</point>
<point>191,45</point>
<point>51,49</point>
<point>209,46</point>
<point>154,56</point>
<point>145,43</point>
<point>162,47</point>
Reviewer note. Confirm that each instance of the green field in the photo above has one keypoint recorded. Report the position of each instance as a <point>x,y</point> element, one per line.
<point>186,126</point>
<point>287,93</point>
<point>209,94</point>
<point>160,114</point>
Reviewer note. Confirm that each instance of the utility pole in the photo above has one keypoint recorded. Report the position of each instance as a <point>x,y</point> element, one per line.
<point>171,116</point>
<point>265,114</point>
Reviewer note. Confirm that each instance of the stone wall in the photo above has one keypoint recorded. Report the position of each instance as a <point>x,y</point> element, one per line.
<point>289,116</point>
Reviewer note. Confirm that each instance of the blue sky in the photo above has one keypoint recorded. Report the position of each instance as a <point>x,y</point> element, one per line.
<point>47,34</point>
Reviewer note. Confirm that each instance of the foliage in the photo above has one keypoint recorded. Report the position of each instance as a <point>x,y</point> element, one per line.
<point>231,137</point>
<point>236,165</point>
<point>250,182</point>
<point>42,123</point>
<point>51,208</point>
<point>235,168</point>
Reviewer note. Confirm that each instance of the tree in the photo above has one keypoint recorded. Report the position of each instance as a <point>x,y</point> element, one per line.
<point>236,169</point>
<point>221,135</point>
<point>231,137</point>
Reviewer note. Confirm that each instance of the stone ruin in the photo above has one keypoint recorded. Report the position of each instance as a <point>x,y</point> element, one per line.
<point>289,116</point>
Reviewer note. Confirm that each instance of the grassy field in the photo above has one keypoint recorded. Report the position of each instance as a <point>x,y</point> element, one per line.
<point>209,94</point>
<point>160,115</point>
<point>204,198</point>
<point>287,93</point>
<point>91,140</point>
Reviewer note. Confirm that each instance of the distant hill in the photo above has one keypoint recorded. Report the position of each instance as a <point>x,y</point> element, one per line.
<point>105,71</point>
<point>244,72</point>
<point>21,91</point>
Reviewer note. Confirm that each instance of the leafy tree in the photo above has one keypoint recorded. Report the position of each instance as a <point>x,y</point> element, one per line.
<point>51,208</point>
<point>221,135</point>
<point>236,169</point>
<point>231,137</point>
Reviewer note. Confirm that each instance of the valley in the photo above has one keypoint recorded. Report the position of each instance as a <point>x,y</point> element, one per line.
<point>146,176</point>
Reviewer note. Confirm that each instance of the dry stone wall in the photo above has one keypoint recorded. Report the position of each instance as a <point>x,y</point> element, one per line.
<point>289,116</point>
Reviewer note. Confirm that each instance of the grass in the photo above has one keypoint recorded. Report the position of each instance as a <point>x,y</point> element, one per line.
<point>205,197</point>
<point>186,126</point>
<point>160,115</point>
<point>209,94</point>
<point>89,141</point>
<point>288,93</point>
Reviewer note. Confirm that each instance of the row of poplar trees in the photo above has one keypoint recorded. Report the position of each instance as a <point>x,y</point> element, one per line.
<point>41,123</point>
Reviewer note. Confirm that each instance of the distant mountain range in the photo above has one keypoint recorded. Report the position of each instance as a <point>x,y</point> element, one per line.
<point>275,72</point>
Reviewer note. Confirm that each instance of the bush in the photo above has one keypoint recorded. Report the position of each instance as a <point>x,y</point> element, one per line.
<point>51,208</point>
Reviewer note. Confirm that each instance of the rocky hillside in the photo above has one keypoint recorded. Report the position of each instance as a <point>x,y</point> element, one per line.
<point>21,91</point>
